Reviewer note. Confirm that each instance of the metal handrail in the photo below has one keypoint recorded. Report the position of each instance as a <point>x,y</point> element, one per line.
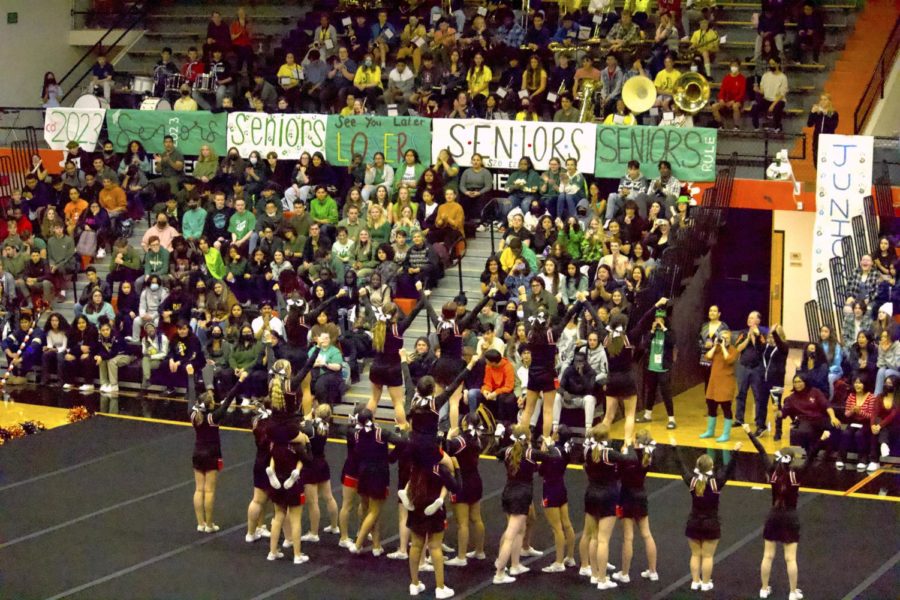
<point>878,80</point>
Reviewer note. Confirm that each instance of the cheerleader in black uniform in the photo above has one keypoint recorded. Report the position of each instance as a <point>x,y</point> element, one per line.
<point>425,489</point>
<point>601,465</point>
<point>207,457</point>
<point>401,455</point>
<point>703,529</point>
<point>464,446</point>
<point>542,375</point>
<point>387,340</point>
<point>632,508</point>
<point>371,450</point>
<point>288,448</point>
<point>521,464</point>
<point>556,500</point>
<point>316,475</point>
<point>349,483</point>
<point>450,331</point>
<point>256,527</point>
<point>782,525</point>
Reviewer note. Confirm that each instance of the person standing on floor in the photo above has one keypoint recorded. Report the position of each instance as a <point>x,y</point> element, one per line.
<point>750,344</point>
<point>721,386</point>
<point>659,345</point>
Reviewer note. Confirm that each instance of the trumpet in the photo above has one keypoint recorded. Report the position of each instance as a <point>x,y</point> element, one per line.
<point>585,46</point>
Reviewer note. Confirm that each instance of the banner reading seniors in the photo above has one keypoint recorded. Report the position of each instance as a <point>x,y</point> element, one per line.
<point>287,135</point>
<point>504,143</point>
<point>189,129</point>
<point>843,179</point>
<point>368,134</point>
<point>692,152</point>
<point>79,125</point>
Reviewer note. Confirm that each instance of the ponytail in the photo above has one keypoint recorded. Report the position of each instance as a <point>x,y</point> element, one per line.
<point>521,435</point>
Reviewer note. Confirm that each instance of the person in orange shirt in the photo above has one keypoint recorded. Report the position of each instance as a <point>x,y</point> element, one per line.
<point>499,386</point>
<point>450,220</point>
<point>73,209</point>
<point>242,43</point>
<point>112,198</point>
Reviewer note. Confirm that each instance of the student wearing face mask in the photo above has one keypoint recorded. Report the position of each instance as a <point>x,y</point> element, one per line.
<point>367,81</point>
<point>731,96</point>
<point>184,101</point>
<point>771,93</point>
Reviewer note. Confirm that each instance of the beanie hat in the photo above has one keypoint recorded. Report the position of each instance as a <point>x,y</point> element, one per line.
<point>887,308</point>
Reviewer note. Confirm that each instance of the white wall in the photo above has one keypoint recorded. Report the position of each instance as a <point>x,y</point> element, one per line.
<point>39,42</point>
<point>798,238</point>
<point>885,118</point>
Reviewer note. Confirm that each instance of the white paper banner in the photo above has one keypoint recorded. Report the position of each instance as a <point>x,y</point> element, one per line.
<point>503,143</point>
<point>288,135</point>
<point>80,125</point>
<point>843,179</point>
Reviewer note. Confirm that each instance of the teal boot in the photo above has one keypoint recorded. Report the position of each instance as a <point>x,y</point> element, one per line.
<point>726,432</point>
<point>710,428</point>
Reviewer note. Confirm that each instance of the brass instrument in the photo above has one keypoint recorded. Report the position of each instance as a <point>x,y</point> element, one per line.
<point>639,94</point>
<point>586,112</point>
<point>691,93</point>
<point>585,46</point>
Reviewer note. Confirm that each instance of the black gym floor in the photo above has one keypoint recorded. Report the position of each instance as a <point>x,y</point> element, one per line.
<point>102,510</point>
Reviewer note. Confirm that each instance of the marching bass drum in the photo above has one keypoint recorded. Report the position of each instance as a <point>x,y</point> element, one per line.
<point>91,101</point>
<point>155,104</point>
<point>141,84</point>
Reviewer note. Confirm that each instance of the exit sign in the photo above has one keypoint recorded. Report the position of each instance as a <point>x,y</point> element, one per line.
<point>12,18</point>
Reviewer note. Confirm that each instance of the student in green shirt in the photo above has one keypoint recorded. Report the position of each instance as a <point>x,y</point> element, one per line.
<point>193,221</point>
<point>215,266</point>
<point>661,354</point>
<point>156,259</point>
<point>523,186</point>
<point>323,209</point>
<point>241,224</point>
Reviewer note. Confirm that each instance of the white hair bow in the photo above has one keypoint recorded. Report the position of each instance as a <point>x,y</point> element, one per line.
<point>521,437</point>
<point>472,430</point>
<point>420,400</point>
<point>442,324</point>
<point>368,425</point>
<point>701,475</point>
<point>567,447</point>
<point>379,314</point>
<point>499,430</point>
<point>617,332</point>
<point>538,318</point>
<point>782,457</point>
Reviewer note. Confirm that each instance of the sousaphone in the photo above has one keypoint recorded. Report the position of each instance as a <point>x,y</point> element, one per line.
<point>691,93</point>
<point>639,94</point>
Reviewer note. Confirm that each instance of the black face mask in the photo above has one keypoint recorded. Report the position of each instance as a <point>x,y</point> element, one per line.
<point>247,338</point>
<point>772,68</point>
<point>888,390</point>
<point>217,335</point>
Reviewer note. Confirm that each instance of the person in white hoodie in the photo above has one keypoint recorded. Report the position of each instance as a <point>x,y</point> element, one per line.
<point>152,297</point>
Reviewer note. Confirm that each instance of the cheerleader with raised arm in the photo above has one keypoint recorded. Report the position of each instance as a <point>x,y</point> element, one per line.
<point>316,475</point>
<point>601,465</point>
<point>205,416</point>
<point>556,499</point>
<point>703,528</point>
<point>464,445</point>
<point>387,340</point>
<point>782,525</point>
<point>349,482</point>
<point>633,508</point>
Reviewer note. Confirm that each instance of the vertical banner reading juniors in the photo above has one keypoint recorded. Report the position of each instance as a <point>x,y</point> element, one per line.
<point>288,135</point>
<point>843,179</point>
<point>368,134</point>
<point>79,125</point>
<point>692,152</point>
<point>503,144</point>
<point>189,129</point>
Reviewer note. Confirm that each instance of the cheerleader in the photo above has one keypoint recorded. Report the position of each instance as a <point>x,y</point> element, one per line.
<point>349,482</point>
<point>782,525</point>
<point>542,373</point>
<point>288,449</point>
<point>465,447</point>
<point>207,457</point>
<point>601,465</point>
<point>387,340</point>
<point>521,463</point>
<point>316,475</point>
<point>556,500</point>
<point>425,489</point>
<point>703,529</point>
<point>256,527</point>
<point>371,450</point>
<point>632,508</point>
<point>450,331</point>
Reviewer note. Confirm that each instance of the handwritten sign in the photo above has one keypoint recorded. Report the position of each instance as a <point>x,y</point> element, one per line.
<point>503,143</point>
<point>79,125</point>
<point>189,129</point>
<point>368,134</point>
<point>692,152</point>
<point>288,135</point>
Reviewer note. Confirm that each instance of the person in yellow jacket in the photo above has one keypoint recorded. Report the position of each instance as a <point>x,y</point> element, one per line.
<point>621,116</point>
<point>705,44</point>
<point>665,83</point>
<point>367,81</point>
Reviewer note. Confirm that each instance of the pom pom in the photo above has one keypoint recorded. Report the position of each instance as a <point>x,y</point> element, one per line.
<point>78,413</point>
<point>32,427</point>
<point>16,431</point>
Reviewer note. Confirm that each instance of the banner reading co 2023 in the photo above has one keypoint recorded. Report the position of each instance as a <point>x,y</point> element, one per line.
<point>80,125</point>
<point>691,151</point>
<point>189,129</point>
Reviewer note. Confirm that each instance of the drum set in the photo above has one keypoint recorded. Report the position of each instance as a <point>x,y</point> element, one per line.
<point>141,86</point>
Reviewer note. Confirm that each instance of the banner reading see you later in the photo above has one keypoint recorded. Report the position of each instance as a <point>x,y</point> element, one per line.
<point>843,179</point>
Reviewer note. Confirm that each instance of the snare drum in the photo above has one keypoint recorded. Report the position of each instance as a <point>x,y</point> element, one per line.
<point>155,104</point>
<point>174,83</point>
<point>205,83</point>
<point>141,84</point>
<point>91,101</point>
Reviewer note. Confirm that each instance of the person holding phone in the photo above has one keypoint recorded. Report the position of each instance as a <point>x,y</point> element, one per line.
<point>721,387</point>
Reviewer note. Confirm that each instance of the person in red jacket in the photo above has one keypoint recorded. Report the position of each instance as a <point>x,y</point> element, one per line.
<point>885,421</point>
<point>732,93</point>
<point>499,385</point>
<point>193,68</point>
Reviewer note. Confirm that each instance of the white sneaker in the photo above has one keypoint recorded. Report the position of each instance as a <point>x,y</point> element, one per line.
<point>799,593</point>
<point>87,388</point>
<point>443,592</point>
<point>501,579</point>
<point>447,549</point>
<point>398,555</point>
<point>211,528</point>
<point>101,253</point>
<point>345,543</point>
<point>104,389</point>
<point>554,568</point>
<point>275,556</point>
<point>415,590</point>
<point>607,584</point>
<point>69,386</point>
<point>651,575</point>
<point>794,596</point>
<point>531,552</point>
<point>621,577</point>
<point>520,570</point>
<point>299,560</point>
<point>569,562</point>
<point>331,529</point>
<point>426,568</point>
<point>309,537</point>
<point>610,567</point>
<point>252,537</point>
<point>861,466</point>
<point>376,552</point>
<point>263,532</point>
<point>584,572</point>
<point>112,389</point>
<point>764,592</point>
<point>481,228</point>
<point>352,548</point>
<point>476,555</point>
<point>287,543</point>
<point>839,465</point>
<point>201,528</point>
<point>873,466</point>
<point>594,580</point>
<point>456,562</point>
<point>706,587</point>
<point>695,586</point>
